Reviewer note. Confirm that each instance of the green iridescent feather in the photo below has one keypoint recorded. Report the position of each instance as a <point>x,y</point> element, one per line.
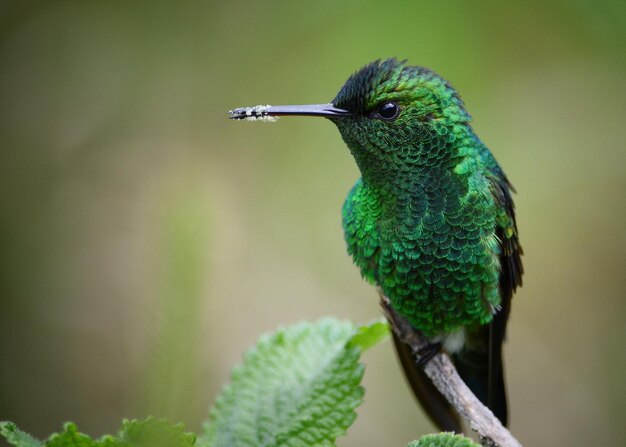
<point>422,221</point>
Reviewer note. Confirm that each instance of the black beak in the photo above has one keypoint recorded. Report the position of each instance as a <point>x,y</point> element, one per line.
<point>260,112</point>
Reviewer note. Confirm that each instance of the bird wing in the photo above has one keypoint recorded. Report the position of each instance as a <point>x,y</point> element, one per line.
<point>479,363</point>
<point>506,231</point>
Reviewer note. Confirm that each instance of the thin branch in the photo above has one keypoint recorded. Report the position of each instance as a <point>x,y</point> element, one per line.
<point>447,380</point>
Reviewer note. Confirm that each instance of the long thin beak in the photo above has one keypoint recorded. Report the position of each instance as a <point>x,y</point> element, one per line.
<point>260,112</point>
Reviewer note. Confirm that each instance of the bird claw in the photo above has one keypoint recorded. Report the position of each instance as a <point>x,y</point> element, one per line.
<point>426,353</point>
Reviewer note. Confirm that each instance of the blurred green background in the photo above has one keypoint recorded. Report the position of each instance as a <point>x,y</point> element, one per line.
<point>146,241</point>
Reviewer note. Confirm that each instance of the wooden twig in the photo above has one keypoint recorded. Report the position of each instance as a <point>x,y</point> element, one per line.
<point>447,380</point>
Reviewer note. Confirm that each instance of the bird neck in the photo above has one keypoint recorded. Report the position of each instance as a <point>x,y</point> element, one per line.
<point>395,163</point>
<point>409,182</point>
<point>404,169</point>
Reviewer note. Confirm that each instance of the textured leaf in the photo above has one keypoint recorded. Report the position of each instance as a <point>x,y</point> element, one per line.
<point>296,387</point>
<point>70,437</point>
<point>16,437</point>
<point>147,433</point>
<point>370,334</point>
<point>443,440</point>
<point>150,432</point>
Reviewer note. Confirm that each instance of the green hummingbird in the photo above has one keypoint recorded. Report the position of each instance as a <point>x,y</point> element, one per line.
<point>431,221</point>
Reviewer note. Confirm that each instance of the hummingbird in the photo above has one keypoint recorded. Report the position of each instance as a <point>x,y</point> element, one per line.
<point>430,222</point>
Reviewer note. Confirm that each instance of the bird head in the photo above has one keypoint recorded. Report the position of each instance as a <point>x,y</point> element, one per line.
<point>393,117</point>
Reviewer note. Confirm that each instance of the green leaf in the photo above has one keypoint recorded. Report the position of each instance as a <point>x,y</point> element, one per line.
<point>16,437</point>
<point>297,387</point>
<point>443,440</point>
<point>150,432</point>
<point>147,433</point>
<point>70,436</point>
<point>370,334</point>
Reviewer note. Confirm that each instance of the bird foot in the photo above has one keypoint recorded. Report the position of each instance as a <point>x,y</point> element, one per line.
<point>426,353</point>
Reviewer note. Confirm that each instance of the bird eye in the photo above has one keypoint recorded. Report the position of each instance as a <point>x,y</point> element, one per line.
<point>388,110</point>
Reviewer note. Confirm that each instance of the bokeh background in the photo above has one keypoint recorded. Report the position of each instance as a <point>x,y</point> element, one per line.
<point>146,241</point>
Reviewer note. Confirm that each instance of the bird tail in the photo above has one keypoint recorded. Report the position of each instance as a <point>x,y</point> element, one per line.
<point>432,401</point>
<point>479,364</point>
